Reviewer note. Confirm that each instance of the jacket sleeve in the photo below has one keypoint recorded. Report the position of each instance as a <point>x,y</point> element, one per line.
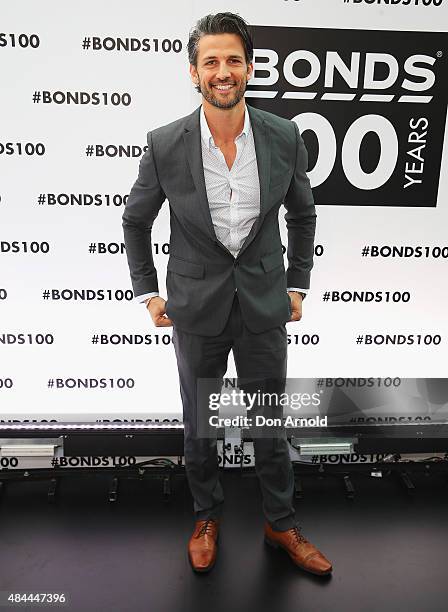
<point>142,207</point>
<point>300,220</point>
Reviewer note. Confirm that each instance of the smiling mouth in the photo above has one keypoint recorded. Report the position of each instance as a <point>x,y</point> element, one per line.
<point>226,87</point>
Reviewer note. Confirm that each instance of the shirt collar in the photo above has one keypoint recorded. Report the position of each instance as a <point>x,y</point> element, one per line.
<point>206,135</point>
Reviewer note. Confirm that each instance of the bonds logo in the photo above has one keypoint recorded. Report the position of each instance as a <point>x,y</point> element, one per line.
<point>371,106</point>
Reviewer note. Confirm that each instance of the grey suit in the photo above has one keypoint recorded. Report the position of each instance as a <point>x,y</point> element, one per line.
<point>218,302</point>
<point>201,270</point>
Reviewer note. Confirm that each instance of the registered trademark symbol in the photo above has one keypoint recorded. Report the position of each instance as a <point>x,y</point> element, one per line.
<point>439,53</point>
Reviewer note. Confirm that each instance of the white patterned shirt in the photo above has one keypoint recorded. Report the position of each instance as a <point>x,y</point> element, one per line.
<point>233,195</point>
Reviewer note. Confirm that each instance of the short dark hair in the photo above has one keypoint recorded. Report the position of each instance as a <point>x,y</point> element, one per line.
<point>221,23</point>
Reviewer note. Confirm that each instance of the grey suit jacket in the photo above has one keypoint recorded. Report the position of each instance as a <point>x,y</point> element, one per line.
<point>202,274</point>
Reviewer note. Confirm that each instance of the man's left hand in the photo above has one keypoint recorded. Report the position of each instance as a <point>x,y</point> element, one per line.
<point>296,305</point>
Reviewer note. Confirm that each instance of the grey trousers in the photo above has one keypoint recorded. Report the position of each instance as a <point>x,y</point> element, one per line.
<point>256,356</point>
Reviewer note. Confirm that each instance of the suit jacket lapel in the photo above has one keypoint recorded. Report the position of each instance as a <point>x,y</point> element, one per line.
<point>192,140</point>
<point>262,140</point>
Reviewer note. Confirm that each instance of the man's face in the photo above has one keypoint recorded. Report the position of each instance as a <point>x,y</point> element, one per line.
<point>221,72</point>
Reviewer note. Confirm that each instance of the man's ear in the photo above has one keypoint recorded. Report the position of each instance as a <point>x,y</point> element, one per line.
<point>250,70</point>
<point>194,74</point>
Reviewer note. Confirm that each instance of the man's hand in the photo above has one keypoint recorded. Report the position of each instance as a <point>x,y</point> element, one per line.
<point>156,307</point>
<point>296,305</point>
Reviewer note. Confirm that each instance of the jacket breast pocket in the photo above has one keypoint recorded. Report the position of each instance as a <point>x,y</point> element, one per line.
<point>278,191</point>
<point>281,179</point>
<point>185,268</point>
<point>272,261</point>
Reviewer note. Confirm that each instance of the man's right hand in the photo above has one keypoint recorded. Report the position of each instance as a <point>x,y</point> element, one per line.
<point>156,307</point>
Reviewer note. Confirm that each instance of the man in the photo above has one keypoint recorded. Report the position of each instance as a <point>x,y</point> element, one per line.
<point>225,170</point>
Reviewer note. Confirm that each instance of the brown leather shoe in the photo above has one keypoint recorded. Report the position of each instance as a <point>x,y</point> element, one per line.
<point>302,552</point>
<point>202,545</point>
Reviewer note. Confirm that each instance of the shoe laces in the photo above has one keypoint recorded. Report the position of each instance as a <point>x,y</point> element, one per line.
<point>206,527</point>
<point>300,538</point>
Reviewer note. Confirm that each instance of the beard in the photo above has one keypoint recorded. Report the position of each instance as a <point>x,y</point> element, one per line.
<point>209,95</point>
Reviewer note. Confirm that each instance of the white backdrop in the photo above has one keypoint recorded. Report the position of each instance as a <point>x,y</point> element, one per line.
<point>44,340</point>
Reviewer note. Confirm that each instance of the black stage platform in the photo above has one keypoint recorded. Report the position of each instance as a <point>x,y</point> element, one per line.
<point>389,549</point>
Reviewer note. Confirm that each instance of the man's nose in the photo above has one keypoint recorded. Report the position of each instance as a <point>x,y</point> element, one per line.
<point>223,71</point>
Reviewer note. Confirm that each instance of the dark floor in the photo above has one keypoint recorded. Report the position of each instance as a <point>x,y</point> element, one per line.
<point>389,551</point>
